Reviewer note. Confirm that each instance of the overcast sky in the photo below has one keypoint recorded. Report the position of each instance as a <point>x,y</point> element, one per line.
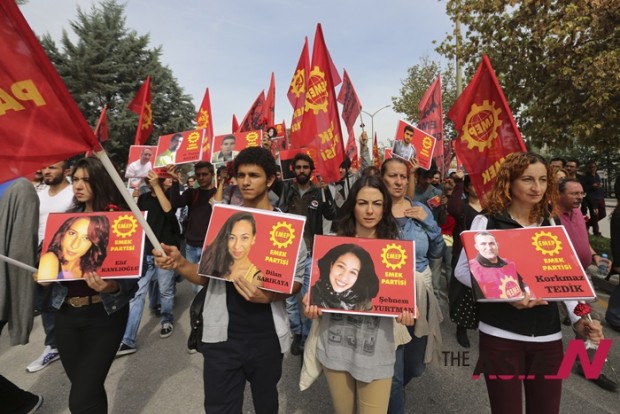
<point>232,46</point>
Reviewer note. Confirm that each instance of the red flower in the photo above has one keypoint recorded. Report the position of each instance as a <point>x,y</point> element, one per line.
<point>112,207</point>
<point>582,309</point>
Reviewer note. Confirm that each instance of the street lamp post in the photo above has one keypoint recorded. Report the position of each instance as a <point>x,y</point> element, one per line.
<point>372,120</point>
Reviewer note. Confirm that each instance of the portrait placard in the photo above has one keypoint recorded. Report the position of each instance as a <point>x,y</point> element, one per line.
<point>109,243</point>
<point>179,148</point>
<point>505,264</point>
<point>363,276</point>
<point>420,146</point>
<point>139,163</point>
<point>258,245</point>
<point>225,148</point>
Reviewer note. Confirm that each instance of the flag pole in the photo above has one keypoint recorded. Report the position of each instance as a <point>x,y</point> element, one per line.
<point>107,163</point>
<point>18,264</point>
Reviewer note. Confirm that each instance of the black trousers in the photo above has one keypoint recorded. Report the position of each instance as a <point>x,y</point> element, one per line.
<point>88,339</point>
<point>227,366</point>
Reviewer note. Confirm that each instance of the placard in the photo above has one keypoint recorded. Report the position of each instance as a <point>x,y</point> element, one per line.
<point>505,264</point>
<point>225,148</point>
<point>363,276</point>
<point>110,243</point>
<point>258,245</point>
<point>180,148</point>
<point>139,163</point>
<point>421,144</point>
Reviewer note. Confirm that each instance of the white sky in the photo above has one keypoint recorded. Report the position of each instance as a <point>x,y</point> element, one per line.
<point>232,46</point>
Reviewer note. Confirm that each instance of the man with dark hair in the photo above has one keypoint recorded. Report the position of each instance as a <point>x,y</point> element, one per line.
<point>168,157</point>
<point>198,206</point>
<point>557,163</point>
<point>572,165</point>
<point>57,197</point>
<point>245,331</point>
<point>304,198</point>
<point>227,150</point>
<point>595,196</point>
<point>404,148</point>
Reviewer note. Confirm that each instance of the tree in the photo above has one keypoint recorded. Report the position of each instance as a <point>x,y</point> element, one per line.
<point>556,61</point>
<point>106,65</point>
<point>414,86</point>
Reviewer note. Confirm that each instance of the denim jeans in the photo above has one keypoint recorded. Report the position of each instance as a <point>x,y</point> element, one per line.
<point>299,325</point>
<point>136,305</point>
<point>192,254</point>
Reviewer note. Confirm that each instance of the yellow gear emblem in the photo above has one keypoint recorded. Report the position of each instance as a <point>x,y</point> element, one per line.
<point>203,119</point>
<point>546,243</point>
<point>282,235</point>
<point>316,94</point>
<point>124,226</point>
<point>481,124</point>
<point>147,116</point>
<point>509,287</point>
<point>298,84</point>
<point>393,256</point>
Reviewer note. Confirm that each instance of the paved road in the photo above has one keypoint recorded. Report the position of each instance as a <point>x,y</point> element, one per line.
<point>163,378</point>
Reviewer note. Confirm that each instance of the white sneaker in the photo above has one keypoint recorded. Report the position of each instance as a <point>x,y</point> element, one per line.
<point>48,356</point>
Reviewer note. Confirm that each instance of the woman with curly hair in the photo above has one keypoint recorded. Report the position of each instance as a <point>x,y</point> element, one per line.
<point>524,338</point>
<point>78,246</point>
<point>347,279</point>
<point>228,254</point>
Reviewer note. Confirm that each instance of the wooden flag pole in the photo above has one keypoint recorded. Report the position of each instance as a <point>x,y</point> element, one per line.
<point>107,163</point>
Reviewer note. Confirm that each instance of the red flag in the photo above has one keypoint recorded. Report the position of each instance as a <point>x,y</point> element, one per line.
<point>270,102</point>
<point>376,160</point>
<point>297,94</point>
<point>351,108</point>
<point>142,105</point>
<point>235,124</point>
<point>101,130</point>
<point>431,119</point>
<point>204,120</point>
<point>253,120</point>
<point>321,122</point>
<point>40,123</point>
<point>486,129</point>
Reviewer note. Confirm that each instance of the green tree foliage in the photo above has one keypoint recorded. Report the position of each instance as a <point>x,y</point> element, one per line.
<point>414,86</point>
<point>106,65</point>
<point>557,61</point>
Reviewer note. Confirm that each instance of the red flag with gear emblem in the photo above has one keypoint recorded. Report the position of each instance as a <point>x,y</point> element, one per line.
<point>40,123</point>
<point>142,105</point>
<point>321,121</point>
<point>297,95</point>
<point>486,129</point>
<point>204,120</point>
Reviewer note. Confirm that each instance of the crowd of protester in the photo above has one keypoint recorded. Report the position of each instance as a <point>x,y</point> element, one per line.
<point>246,330</point>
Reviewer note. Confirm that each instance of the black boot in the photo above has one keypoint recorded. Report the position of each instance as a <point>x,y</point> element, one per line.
<point>461,337</point>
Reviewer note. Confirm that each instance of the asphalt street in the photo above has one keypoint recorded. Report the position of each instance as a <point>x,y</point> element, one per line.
<point>163,378</point>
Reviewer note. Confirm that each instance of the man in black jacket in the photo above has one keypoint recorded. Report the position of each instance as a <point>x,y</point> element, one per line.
<point>315,203</point>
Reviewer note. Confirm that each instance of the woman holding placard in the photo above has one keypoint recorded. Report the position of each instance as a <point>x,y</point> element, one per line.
<point>525,337</point>
<point>415,222</point>
<point>359,377</point>
<point>92,312</point>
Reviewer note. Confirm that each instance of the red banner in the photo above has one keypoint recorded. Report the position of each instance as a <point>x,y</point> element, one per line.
<point>142,105</point>
<point>376,158</point>
<point>110,243</point>
<point>235,124</point>
<point>269,111</point>
<point>363,276</point>
<point>431,121</point>
<point>486,130</point>
<point>258,245</point>
<point>321,122</point>
<point>204,120</point>
<point>351,106</point>
<point>297,95</point>
<point>101,130</point>
<point>40,123</point>
<point>505,264</point>
<point>254,118</point>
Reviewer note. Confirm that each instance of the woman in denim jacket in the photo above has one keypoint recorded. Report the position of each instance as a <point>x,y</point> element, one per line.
<point>92,312</point>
